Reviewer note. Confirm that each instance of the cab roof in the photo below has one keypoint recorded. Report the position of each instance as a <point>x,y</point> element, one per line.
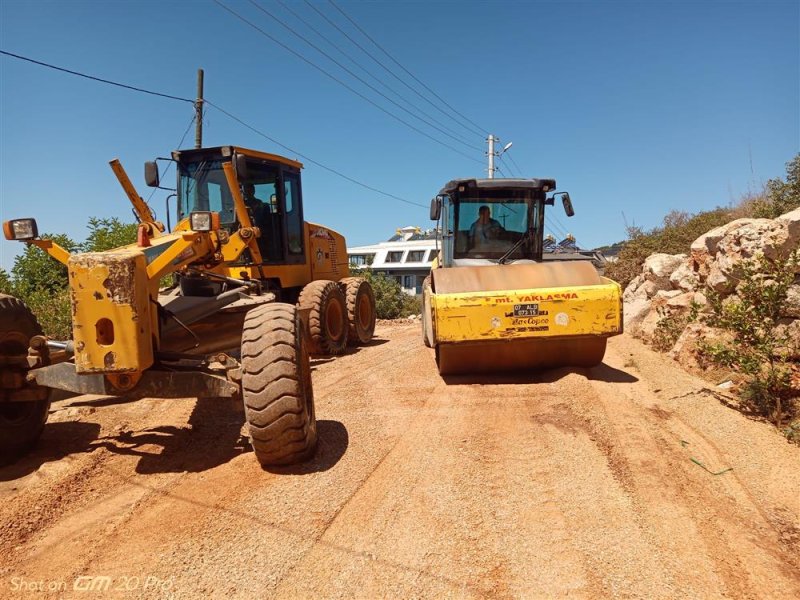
<point>546,185</point>
<point>228,151</point>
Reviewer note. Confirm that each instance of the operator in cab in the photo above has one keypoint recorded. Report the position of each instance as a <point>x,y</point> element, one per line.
<point>484,229</point>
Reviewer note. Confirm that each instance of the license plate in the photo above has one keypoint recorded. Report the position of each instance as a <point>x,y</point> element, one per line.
<point>526,310</point>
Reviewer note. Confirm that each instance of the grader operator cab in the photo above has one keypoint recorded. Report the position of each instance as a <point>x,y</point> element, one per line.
<point>256,289</point>
<point>492,303</point>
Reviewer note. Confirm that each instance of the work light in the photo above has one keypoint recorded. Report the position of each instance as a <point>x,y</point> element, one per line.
<point>204,221</point>
<point>20,229</point>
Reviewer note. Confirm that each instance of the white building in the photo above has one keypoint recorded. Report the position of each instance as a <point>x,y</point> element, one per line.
<point>406,256</point>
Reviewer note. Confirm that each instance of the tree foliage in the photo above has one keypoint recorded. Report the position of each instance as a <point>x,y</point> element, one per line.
<point>781,196</point>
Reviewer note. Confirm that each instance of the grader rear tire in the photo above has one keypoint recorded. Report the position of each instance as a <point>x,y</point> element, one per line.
<point>21,423</point>
<point>276,386</point>
<point>360,302</point>
<point>327,321</point>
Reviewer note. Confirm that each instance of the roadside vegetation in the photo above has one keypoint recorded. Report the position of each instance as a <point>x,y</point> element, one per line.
<point>679,229</point>
<point>758,346</point>
<point>752,339</point>
<point>391,302</point>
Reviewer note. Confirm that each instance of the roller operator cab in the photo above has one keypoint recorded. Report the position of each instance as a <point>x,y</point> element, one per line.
<point>493,303</point>
<point>493,220</point>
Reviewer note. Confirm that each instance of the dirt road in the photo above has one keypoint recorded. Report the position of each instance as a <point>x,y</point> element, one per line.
<point>580,483</point>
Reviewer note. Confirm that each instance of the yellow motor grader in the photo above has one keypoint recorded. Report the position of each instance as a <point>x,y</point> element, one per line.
<point>255,289</point>
<point>494,301</point>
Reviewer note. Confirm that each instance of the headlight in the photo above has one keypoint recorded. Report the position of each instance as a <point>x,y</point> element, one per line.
<point>20,229</point>
<point>204,221</point>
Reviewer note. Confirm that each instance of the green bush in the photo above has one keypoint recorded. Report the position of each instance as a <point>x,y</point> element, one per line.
<point>671,325</point>
<point>759,349</point>
<point>391,302</point>
<point>781,196</point>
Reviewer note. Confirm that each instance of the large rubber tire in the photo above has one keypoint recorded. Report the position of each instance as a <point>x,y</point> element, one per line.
<point>426,318</point>
<point>21,423</point>
<point>360,302</point>
<point>327,320</point>
<point>276,386</point>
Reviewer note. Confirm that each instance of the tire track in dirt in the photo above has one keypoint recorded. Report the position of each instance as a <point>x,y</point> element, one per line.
<point>559,484</point>
<point>718,531</point>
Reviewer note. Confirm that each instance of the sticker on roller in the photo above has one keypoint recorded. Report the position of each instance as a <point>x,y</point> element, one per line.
<point>562,319</point>
<point>496,322</point>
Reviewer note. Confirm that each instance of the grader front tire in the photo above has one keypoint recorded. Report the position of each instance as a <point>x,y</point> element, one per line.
<point>360,301</point>
<point>276,386</point>
<point>21,423</point>
<point>327,319</point>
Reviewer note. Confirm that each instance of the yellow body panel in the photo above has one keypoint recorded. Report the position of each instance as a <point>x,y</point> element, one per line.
<point>111,312</point>
<point>327,253</point>
<point>517,314</point>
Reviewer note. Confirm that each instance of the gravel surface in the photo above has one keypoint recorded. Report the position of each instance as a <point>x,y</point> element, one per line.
<point>581,483</point>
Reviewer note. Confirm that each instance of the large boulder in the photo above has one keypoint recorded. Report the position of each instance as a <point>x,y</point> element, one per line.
<point>704,248</point>
<point>791,308</point>
<point>685,277</point>
<point>658,268</point>
<point>686,349</point>
<point>634,291</point>
<point>786,238</point>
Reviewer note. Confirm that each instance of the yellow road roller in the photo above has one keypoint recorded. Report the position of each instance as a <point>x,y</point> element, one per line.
<point>494,301</point>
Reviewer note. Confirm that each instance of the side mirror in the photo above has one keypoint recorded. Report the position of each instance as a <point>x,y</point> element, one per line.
<point>151,173</point>
<point>241,167</point>
<point>436,208</point>
<point>565,200</point>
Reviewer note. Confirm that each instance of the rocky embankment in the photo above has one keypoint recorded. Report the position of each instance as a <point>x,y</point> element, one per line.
<point>669,285</point>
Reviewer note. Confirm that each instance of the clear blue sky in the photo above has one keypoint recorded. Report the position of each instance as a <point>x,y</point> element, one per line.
<point>633,107</point>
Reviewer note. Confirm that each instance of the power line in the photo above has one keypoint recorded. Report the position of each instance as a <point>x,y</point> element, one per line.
<point>513,162</point>
<point>310,160</point>
<point>169,164</point>
<point>232,116</point>
<point>352,74</point>
<point>500,158</point>
<point>362,67</point>
<point>409,73</point>
<point>342,83</point>
<point>385,68</point>
<point>93,78</point>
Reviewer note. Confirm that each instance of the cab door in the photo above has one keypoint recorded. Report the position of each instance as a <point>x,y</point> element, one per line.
<point>292,202</point>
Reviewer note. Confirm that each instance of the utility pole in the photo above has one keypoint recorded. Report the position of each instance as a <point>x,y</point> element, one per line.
<point>198,109</point>
<point>491,141</point>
